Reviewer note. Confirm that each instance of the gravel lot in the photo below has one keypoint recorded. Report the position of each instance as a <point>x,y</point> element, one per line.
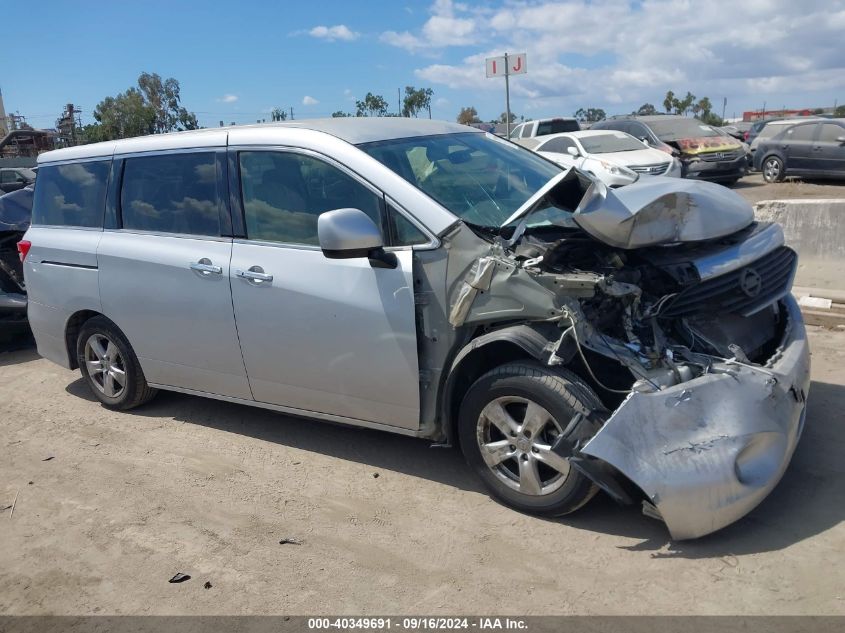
<point>111,505</point>
<point>753,188</point>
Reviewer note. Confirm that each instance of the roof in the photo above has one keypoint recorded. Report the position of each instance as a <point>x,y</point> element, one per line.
<point>354,130</point>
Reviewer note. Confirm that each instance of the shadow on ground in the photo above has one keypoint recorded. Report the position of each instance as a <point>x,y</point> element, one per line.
<point>810,498</point>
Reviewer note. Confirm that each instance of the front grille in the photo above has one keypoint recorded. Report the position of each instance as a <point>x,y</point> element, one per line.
<point>657,169</point>
<point>713,157</point>
<point>743,291</point>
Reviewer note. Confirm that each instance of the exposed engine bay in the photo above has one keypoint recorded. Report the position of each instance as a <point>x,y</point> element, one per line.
<point>663,288</point>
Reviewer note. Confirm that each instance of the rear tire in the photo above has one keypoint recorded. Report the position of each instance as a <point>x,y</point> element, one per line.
<point>773,169</point>
<point>508,421</point>
<point>109,366</point>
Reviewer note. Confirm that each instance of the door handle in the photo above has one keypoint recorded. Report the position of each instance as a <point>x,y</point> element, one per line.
<point>205,267</point>
<point>255,274</point>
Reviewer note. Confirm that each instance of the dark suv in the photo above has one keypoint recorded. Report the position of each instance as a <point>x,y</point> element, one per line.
<point>814,148</point>
<point>705,152</point>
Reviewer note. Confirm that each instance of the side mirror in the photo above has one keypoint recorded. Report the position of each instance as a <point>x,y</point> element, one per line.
<point>349,234</point>
<point>573,151</point>
<point>645,141</point>
<point>20,178</point>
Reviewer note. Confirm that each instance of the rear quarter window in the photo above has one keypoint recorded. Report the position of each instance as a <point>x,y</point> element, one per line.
<point>73,194</point>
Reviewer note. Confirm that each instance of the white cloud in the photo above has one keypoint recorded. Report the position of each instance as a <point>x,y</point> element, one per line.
<point>604,52</point>
<point>227,98</point>
<point>333,33</point>
<point>443,29</point>
<point>309,101</point>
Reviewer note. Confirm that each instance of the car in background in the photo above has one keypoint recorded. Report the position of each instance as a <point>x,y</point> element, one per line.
<point>705,152</point>
<point>543,127</point>
<point>615,158</point>
<point>738,130</point>
<point>811,148</point>
<point>15,216</point>
<point>771,128</point>
<point>14,178</point>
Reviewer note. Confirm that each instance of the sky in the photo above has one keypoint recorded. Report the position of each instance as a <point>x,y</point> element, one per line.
<point>237,61</point>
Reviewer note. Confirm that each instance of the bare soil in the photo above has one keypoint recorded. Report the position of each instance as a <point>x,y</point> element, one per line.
<point>112,505</point>
<point>754,189</point>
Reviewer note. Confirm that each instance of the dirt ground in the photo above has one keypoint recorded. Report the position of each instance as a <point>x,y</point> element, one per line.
<point>111,505</point>
<point>754,189</point>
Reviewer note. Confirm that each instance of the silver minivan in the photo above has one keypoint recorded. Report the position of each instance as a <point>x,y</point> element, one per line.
<point>432,280</point>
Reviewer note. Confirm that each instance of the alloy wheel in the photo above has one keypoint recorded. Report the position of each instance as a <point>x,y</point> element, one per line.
<point>771,170</point>
<point>515,436</point>
<point>105,365</point>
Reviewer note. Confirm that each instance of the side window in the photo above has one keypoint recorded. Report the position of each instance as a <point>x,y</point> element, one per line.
<point>171,193</point>
<point>516,131</point>
<point>7,176</point>
<point>830,132</point>
<point>403,230</point>
<point>284,193</point>
<point>800,133</point>
<point>526,130</point>
<point>72,194</point>
<point>556,145</point>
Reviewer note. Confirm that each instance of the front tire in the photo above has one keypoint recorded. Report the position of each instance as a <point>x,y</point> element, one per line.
<point>110,367</point>
<point>773,169</point>
<point>509,420</point>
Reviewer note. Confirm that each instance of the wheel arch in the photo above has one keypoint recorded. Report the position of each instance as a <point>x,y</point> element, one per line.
<point>517,342</point>
<point>72,328</point>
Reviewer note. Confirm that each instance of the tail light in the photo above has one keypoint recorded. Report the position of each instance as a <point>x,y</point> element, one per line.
<point>745,136</point>
<point>23,248</point>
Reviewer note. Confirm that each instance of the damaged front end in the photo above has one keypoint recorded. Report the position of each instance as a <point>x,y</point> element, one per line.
<point>674,304</point>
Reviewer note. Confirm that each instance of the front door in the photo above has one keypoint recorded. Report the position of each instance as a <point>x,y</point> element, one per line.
<point>829,151</point>
<point>797,143</point>
<point>164,273</point>
<point>331,336</point>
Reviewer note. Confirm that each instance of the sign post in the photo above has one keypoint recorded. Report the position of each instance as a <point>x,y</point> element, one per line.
<point>505,67</point>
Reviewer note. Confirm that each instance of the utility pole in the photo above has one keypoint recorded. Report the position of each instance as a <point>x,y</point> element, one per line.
<point>724,105</point>
<point>399,101</point>
<point>291,113</point>
<point>507,99</point>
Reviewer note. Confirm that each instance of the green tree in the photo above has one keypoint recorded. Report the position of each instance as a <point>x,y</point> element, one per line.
<point>840,111</point>
<point>503,117</point>
<point>277,114</point>
<point>468,115</point>
<point>590,115</point>
<point>123,116</point>
<point>338,114</point>
<point>646,109</point>
<point>416,100</point>
<point>372,105</point>
<point>685,105</point>
<point>164,98</point>
<point>669,103</point>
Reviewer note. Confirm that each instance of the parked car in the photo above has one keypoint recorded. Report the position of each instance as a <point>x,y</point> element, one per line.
<point>15,214</point>
<point>738,130</point>
<point>433,280</point>
<point>772,128</point>
<point>542,127</point>
<point>812,148</point>
<point>615,158</point>
<point>704,152</point>
<point>14,178</point>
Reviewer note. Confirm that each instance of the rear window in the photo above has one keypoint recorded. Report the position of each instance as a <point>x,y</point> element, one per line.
<point>556,126</point>
<point>171,193</point>
<point>71,195</point>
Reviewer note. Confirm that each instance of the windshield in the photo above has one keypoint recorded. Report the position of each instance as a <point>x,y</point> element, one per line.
<point>478,177</point>
<point>605,143</point>
<point>672,129</point>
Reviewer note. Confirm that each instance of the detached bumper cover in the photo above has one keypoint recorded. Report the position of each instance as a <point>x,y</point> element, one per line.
<point>707,451</point>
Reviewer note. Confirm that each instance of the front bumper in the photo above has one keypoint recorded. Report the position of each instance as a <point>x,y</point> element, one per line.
<point>698,169</point>
<point>707,451</point>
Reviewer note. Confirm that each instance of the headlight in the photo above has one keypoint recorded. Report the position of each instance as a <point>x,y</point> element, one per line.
<point>618,170</point>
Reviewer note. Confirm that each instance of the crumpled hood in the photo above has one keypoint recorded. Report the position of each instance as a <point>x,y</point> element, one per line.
<point>661,210</point>
<point>706,144</point>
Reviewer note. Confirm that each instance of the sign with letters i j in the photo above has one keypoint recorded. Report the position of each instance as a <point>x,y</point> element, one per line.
<point>515,65</point>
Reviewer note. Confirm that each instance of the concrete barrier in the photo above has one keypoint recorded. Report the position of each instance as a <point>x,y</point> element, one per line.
<point>816,230</point>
